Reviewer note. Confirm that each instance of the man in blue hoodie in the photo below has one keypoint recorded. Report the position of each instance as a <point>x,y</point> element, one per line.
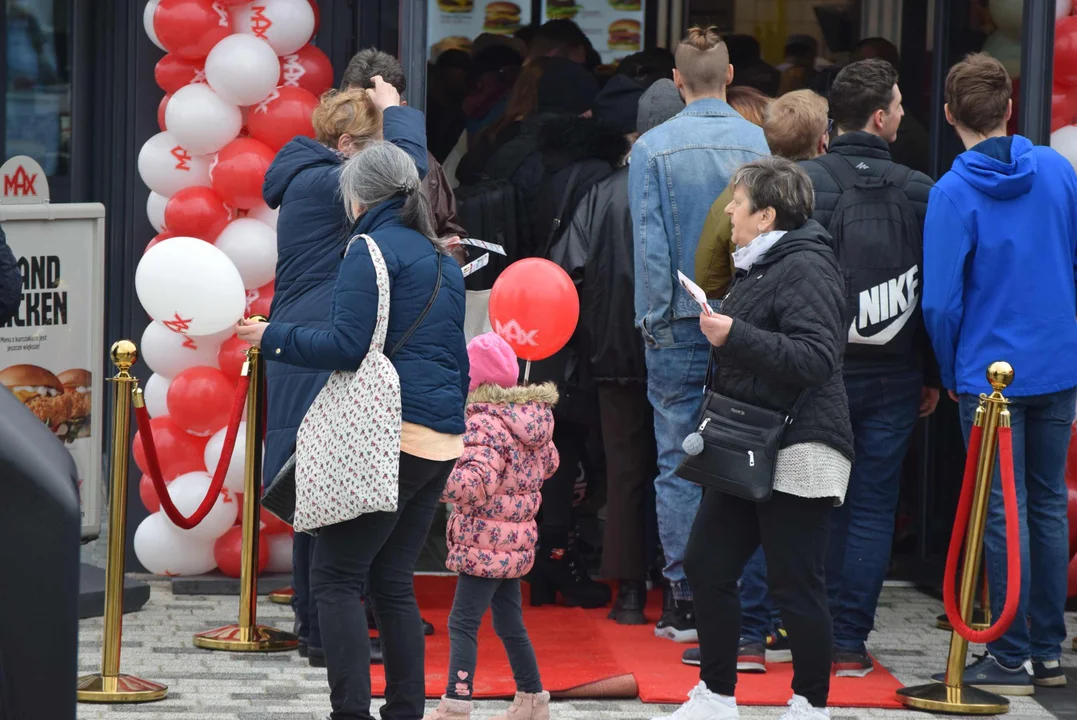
<point>1000,252</point>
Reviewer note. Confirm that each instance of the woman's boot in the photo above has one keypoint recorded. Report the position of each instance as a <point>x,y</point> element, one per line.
<point>528,706</point>
<point>451,709</point>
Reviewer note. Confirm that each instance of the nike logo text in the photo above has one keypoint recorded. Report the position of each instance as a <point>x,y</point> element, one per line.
<point>894,300</point>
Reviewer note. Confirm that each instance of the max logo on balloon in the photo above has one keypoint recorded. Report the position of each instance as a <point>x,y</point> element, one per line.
<point>513,333</point>
<point>263,107</point>
<point>292,70</point>
<point>20,183</point>
<point>260,24</point>
<point>182,158</point>
<point>178,324</point>
<point>222,14</point>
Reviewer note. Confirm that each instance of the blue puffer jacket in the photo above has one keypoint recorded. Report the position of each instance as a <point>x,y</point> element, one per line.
<point>433,363</point>
<point>311,232</point>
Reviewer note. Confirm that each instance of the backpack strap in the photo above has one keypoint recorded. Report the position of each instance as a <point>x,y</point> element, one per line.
<point>897,175</point>
<point>562,206</point>
<point>841,170</point>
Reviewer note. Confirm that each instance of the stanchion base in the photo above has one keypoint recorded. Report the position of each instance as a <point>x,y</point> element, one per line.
<point>119,689</point>
<point>259,638</point>
<point>945,625</point>
<point>937,697</point>
<point>282,597</point>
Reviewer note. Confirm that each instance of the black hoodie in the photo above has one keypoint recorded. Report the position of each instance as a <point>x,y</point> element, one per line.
<point>788,336</point>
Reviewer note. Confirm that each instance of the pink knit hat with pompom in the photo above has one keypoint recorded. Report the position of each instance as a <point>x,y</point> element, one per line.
<point>492,362</point>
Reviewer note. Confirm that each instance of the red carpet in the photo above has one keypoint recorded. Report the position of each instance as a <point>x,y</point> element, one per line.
<point>583,654</point>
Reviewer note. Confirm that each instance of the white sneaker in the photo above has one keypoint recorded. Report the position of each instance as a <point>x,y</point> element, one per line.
<point>703,705</point>
<point>801,709</point>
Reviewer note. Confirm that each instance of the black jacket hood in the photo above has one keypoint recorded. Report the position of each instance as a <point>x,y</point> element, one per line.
<point>566,139</point>
<point>809,237</point>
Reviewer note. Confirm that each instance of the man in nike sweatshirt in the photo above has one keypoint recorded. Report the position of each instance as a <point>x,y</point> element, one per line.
<point>1000,253</point>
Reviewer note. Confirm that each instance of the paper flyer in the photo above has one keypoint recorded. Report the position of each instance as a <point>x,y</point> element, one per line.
<point>615,27</point>
<point>492,247</point>
<point>477,264</point>
<point>695,291</point>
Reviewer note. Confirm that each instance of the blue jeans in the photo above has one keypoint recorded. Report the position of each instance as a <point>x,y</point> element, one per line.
<point>675,377</point>
<point>1041,435</point>
<point>884,410</point>
<point>759,615</point>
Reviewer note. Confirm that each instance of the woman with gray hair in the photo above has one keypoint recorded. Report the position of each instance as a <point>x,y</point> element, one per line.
<point>777,349</point>
<point>425,342</point>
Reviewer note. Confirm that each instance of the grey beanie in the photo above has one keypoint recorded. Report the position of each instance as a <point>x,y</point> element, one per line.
<point>659,103</point>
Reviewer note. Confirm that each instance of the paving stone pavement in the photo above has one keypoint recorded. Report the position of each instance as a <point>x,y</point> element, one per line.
<point>219,686</point>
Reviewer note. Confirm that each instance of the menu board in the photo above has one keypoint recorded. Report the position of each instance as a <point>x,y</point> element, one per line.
<point>615,27</point>
<point>455,23</point>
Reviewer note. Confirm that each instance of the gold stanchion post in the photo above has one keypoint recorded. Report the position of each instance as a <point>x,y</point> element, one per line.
<point>110,686</point>
<point>248,635</point>
<point>953,696</point>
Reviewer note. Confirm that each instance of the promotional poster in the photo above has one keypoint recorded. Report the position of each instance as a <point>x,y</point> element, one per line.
<point>615,27</point>
<point>455,23</point>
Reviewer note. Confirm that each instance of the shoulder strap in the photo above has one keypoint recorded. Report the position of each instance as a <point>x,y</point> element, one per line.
<point>562,205</point>
<point>897,175</point>
<point>426,311</point>
<point>841,169</point>
<point>790,418</point>
<point>381,273</point>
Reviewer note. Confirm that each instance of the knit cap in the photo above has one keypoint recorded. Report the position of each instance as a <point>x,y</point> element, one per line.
<point>659,103</point>
<point>617,104</point>
<point>492,362</point>
<point>566,88</point>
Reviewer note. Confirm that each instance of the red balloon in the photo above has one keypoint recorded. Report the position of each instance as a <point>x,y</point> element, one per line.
<point>200,400</point>
<point>228,552</point>
<point>317,16</point>
<point>1071,586</point>
<point>1071,514</point>
<point>177,452</point>
<point>197,212</point>
<point>190,28</point>
<point>1071,459</point>
<point>308,68</point>
<point>161,112</point>
<point>160,237</point>
<point>282,116</point>
<point>273,524</point>
<point>1066,51</point>
<point>173,72</point>
<point>231,356</point>
<point>534,306</point>
<point>148,495</point>
<point>239,171</point>
<point>260,300</point>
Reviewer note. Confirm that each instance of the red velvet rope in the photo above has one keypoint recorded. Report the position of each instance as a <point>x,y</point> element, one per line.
<point>142,419</point>
<point>1013,540</point>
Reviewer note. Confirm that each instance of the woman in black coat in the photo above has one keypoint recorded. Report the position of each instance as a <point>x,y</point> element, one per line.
<point>782,333</point>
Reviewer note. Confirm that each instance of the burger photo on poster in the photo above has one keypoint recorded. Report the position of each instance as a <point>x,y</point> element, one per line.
<point>456,6</point>
<point>78,387</point>
<point>625,5</point>
<point>453,42</point>
<point>624,35</point>
<point>502,18</point>
<point>561,9</point>
<point>41,392</point>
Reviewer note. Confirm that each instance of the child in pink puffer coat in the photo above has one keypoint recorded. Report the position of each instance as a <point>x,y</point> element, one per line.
<point>494,490</point>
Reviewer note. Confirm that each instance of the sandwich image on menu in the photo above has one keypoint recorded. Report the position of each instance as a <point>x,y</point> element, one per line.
<point>625,35</point>
<point>502,18</point>
<point>561,9</point>
<point>42,393</point>
<point>455,6</point>
<point>625,5</point>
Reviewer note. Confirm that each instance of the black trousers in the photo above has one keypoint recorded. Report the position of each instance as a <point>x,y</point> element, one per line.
<point>631,465</point>
<point>793,532</point>
<point>385,548</point>
<point>555,518</point>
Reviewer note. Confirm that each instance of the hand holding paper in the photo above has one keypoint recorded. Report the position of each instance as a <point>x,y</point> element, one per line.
<point>696,292</point>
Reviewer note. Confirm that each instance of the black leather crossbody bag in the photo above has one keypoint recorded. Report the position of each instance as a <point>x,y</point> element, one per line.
<point>735,445</point>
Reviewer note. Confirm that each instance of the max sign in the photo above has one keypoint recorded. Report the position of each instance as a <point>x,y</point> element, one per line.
<point>23,182</point>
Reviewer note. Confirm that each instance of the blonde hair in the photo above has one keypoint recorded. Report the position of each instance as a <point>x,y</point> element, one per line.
<point>702,60</point>
<point>794,124</point>
<point>346,112</point>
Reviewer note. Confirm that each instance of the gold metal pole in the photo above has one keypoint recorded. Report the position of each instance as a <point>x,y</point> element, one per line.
<point>953,696</point>
<point>248,635</point>
<point>110,686</point>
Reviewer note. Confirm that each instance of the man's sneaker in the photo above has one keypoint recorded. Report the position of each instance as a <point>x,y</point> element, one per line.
<point>678,621</point>
<point>987,674</point>
<point>704,705</point>
<point>778,647</point>
<point>751,657</point>
<point>852,664</point>
<point>1048,673</point>
<point>801,709</point>
<point>691,656</point>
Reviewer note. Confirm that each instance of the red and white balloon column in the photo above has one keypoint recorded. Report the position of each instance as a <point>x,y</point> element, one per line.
<point>240,80</point>
<point>1064,92</point>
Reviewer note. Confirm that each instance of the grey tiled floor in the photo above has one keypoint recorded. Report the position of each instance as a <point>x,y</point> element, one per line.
<point>218,686</point>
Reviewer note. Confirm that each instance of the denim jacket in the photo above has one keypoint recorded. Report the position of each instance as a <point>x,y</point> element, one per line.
<point>676,171</point>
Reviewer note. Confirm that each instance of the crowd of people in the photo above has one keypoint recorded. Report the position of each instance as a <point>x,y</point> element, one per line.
<point>844,290</point>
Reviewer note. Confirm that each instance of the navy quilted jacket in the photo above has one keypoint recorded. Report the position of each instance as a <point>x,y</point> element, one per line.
<point>311,233</point>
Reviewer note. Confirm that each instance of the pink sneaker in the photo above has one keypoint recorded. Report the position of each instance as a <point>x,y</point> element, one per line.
<point>528,706</point>
<point>450,709</point>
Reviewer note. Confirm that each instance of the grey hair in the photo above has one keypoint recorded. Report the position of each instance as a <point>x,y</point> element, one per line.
<point>380,172</point>
<point>781,184</point>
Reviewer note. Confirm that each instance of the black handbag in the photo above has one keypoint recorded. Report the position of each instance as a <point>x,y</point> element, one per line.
<point>735,447</point>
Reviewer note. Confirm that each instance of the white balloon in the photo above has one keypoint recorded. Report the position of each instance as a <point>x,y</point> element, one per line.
<point>286,25</point>
<point>233,481</point>
<point>1064,140</point>
<point>242,69</point>
<point>1008,15</point>
<point>202,120</point>
<point>252,246</point>
<point>265,214</point>
<point>191,285</point>
<point>280,553</point>
<point>147,22</point>
<point>1063,8</point>
<point>1006,50</point>
<point>169,353</point>
<point>155,394</point>
<point>187,492</point>
<point>155,210</point>
<point>163,550</point>
<point>167,167</point>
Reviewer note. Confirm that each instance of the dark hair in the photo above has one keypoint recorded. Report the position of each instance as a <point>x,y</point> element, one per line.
<point>877,47</point>
<point>743,49</point>
<point>561,36</point>
<point>369,62</point>
<point>494,58</point>
<point>648,66</point>
<point>860,90</point>
<point>978,92</point>
<point>777,183</point>
<point>453,58</point>
<point>524,99</point>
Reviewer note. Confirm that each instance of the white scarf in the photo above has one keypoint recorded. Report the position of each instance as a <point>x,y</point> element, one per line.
<point>745,257</point>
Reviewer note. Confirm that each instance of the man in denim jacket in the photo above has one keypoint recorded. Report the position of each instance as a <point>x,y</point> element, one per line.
<point>676,171</point>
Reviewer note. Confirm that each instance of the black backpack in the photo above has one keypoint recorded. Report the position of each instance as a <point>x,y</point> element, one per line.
<point>879,245</point>
<point>488,210</point>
